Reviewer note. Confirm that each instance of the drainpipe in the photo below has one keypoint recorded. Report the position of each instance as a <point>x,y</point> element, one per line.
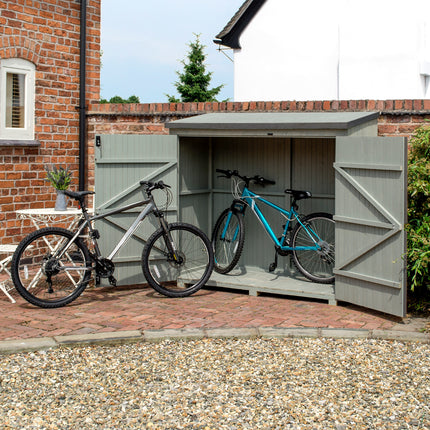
<point>82,96</point>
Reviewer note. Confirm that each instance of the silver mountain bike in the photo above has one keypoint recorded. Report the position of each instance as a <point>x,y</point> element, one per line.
<point>52,266</point>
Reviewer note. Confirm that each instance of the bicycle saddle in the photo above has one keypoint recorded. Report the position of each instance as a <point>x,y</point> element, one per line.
<point>299,195</point>
<point>78,195</point>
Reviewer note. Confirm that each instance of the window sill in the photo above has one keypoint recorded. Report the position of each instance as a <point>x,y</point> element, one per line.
<point>9,142</point>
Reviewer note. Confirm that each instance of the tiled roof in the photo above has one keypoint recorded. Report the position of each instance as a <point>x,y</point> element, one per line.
<point>229,36</point>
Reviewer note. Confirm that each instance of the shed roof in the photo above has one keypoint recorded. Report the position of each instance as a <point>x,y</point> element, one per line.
<point>272,123</point>
<point>229,35</point>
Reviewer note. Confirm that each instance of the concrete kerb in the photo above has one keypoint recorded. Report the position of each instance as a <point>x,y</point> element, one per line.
<point>118,337</point>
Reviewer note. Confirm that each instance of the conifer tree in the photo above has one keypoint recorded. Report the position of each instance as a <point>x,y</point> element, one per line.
<point>193,83</point>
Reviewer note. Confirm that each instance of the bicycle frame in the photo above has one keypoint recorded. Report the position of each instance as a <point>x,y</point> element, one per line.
<point>250,199</point>
<point>150,207</point>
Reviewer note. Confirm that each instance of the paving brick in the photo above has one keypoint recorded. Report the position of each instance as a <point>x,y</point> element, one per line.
<point>134,308</point>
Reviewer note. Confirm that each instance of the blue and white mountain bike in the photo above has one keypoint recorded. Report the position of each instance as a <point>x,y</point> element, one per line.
<point>309,239</point>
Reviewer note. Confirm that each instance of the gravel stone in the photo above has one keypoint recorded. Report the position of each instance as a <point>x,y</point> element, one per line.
<point>213,383</point>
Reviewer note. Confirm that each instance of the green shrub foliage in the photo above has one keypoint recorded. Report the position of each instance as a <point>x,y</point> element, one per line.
<point>119,99</point>
<point>419,211</point>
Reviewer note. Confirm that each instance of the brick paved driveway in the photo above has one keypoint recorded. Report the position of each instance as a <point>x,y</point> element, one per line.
<point>136,308</point>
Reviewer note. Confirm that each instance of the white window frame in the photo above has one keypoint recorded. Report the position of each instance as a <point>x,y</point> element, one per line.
<point>17,65</point>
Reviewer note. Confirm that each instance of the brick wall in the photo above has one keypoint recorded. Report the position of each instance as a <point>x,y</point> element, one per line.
<point>47,33</point>
<point>397,117</point>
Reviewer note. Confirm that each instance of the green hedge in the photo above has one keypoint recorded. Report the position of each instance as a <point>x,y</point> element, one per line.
<point>418,228</point>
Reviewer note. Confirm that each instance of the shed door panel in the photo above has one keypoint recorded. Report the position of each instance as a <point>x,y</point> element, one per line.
<point>370,215</point>
<point>121,162</point>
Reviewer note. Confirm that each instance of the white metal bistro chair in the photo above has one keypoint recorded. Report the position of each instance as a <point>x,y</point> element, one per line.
<point>6,285</point>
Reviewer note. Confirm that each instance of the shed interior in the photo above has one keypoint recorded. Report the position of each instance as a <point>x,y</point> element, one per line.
<point>296,151</point>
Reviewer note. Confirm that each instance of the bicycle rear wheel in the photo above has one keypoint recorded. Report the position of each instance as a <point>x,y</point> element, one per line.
<point>318,265</point>
<point>45,280</point>
<point>228,238</point>
<point>185,274</point>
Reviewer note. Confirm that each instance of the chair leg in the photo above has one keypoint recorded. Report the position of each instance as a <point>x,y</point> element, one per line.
<point>4,289</point>
<point>3,286</point>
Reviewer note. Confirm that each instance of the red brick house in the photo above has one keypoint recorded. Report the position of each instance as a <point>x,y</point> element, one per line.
<point>47,82</point>
<point>54,119</point>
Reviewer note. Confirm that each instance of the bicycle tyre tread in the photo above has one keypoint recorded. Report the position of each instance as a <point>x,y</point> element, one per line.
<point>241,241</point>
<point>300,268</point>
<point>147,250</point>
<point>15,270</point>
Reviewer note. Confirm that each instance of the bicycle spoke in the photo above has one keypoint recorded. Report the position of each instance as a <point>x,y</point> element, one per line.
<point>48,280</point>
<point>184,273</point>
<point>227,241</point>
<point>315,265</point>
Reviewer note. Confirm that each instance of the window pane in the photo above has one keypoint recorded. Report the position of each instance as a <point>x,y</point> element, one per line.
<point>15,96</point>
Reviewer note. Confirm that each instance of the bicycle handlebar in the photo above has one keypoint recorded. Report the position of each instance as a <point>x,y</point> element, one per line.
<point>151,186</point>
<point>259,180</point>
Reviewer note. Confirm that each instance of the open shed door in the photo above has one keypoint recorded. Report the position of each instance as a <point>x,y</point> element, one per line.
<point>371,211</point>
<point>121,162</point>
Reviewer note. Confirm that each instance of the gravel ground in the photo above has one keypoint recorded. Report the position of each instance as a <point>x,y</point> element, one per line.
<point>220,384</point>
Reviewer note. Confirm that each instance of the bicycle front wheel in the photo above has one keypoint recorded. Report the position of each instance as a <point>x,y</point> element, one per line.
<point>316,265</point>
<point>228,238</point>
<point>184,271</point>
<point>42,278</point>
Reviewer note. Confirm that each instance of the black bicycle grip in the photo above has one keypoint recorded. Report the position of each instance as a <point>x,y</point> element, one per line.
<point>161,185</point>
<point>269,182</point>
<point>262,181</point>
<point>226,173</point>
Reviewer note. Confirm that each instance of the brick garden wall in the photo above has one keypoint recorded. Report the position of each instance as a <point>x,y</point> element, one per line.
<point>47,33</point>
<point>22,183</point>
<point>397,117</point>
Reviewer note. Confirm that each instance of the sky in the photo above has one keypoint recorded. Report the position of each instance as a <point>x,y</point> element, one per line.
<point>144,41</point>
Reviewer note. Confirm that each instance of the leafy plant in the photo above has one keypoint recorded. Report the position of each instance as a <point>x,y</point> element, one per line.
<point>418,228</point>
<point>60,178</point>
<point>119,99</point>
<point>193,84</point>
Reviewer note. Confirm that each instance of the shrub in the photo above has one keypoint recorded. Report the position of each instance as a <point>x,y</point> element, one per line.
<point>119,99</point>
<point>60,178</point>
<point>418,226</point>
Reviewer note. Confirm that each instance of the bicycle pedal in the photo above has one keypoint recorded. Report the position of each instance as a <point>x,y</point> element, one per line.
<point>272,267</point>
<point>112,281</point>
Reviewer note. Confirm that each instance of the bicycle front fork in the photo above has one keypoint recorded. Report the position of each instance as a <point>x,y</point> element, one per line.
<point>170,244</point>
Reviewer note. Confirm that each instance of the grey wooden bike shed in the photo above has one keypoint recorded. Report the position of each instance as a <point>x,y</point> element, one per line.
<point>351,172</point>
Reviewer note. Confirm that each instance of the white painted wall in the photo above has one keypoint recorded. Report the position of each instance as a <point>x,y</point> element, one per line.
<point>335,49</point>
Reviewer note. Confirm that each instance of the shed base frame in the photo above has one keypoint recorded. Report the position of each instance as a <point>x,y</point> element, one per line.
<point>257,281</point>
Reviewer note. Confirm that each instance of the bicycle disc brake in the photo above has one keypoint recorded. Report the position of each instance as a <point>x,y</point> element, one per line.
<point>177,259</point>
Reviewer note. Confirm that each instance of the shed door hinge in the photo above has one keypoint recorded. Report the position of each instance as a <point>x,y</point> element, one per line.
<point>98,141</point>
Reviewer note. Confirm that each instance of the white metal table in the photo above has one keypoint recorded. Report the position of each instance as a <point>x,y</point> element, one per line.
<point>6,284</point>
<point>48,216</point>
